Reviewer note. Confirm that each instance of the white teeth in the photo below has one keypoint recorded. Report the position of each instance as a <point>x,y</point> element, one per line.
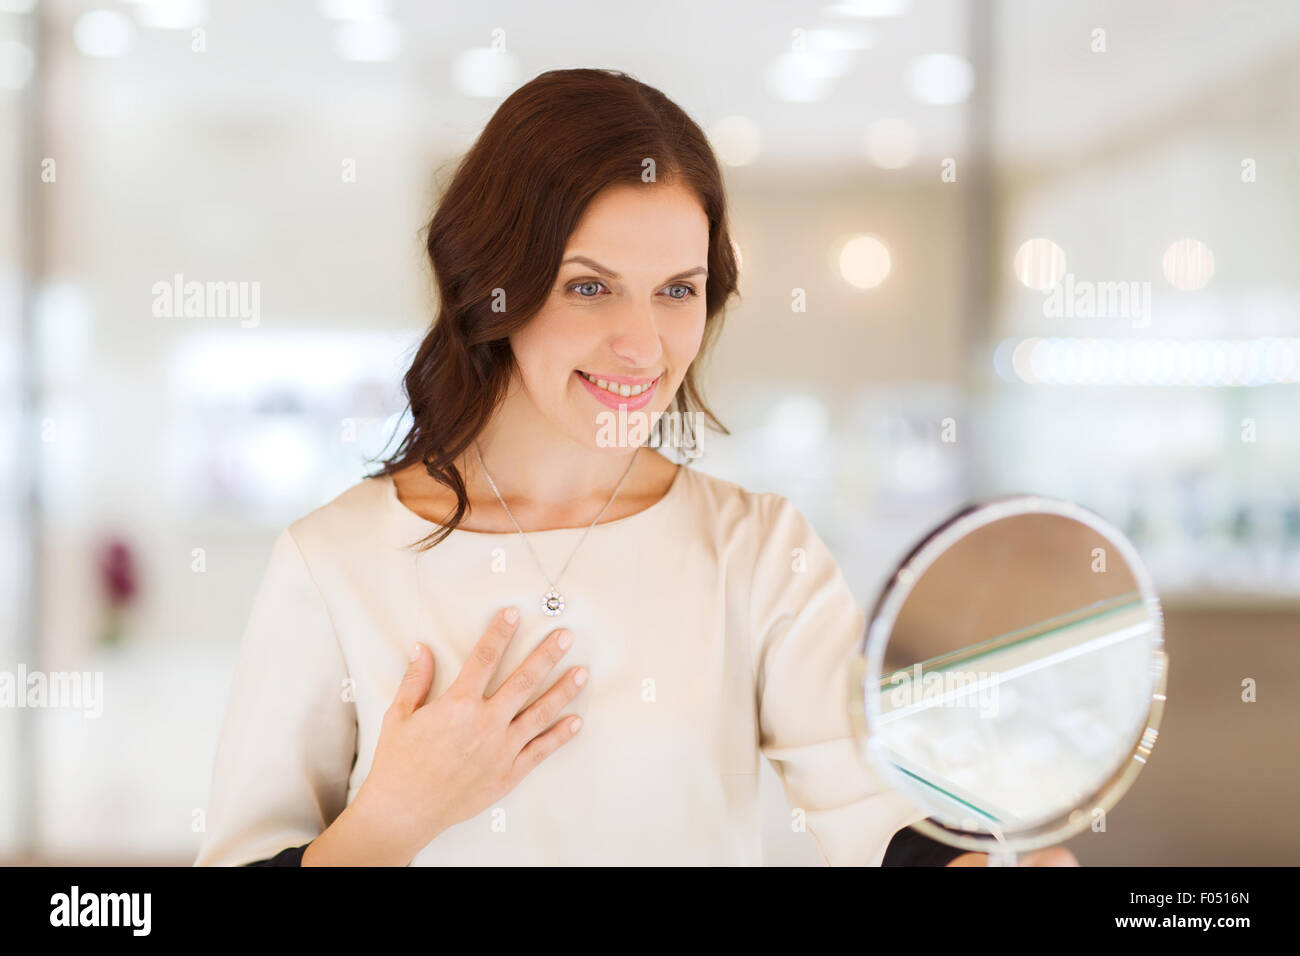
<point>625,391</point>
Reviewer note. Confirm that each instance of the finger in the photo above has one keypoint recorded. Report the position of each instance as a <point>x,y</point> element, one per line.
<point>538,716</point>
<point>1051,856</point>
<point>414,688</point>
<point>488,651</point>
<point>546,744</point>
<point>515,691</point>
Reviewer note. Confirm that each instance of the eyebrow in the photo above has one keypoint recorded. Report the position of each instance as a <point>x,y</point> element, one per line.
<point>592,263</point>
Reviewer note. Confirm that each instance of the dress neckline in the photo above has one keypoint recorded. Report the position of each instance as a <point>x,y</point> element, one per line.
<point>409,516</point>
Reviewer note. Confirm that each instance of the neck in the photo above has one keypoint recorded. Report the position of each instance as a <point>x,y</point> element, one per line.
<point>534,468</point>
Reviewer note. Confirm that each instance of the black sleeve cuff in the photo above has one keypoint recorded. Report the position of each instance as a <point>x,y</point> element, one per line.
<point>290,857</point>
<point>910,848</point>
<point>907,848</point>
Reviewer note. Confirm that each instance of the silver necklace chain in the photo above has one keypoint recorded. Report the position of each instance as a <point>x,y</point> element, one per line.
<point>553,603</point>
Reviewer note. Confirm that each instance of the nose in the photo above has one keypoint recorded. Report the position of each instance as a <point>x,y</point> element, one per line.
<point>636,339</point>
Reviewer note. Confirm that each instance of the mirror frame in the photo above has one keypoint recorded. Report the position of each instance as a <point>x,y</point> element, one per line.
<point>868,664</point>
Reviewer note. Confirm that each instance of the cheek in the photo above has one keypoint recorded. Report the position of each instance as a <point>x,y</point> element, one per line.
<point>686,339</point>
<point>549,345</point>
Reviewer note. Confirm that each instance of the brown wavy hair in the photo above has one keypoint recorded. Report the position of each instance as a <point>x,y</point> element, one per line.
<point>503,223</point>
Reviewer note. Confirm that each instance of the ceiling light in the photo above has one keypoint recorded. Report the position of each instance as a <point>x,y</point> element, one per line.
<point>1188,264</point>
<point>865,262</point>
<point>871,8</point>
<point>940,78</point>
<point>103,33</point>
<point>1039,264</point>
<point>171,14</point>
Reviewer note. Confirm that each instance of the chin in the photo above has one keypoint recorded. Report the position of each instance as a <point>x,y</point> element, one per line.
<point>618,432</point>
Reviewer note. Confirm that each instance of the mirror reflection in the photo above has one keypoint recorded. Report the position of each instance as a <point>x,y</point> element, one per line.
<point>1016,675</point>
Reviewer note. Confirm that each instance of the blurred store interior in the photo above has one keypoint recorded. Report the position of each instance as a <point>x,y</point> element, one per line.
<point>988,247</point>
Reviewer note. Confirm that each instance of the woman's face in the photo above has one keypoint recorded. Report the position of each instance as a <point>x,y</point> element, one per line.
<point>631,312</point>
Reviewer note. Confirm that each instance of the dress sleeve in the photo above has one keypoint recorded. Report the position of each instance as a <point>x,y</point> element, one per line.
<point>288,740</point>
<point>806,627</point>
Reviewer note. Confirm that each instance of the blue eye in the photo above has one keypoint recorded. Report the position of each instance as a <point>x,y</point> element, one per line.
<point>573,287</point>
<point>578,285</point>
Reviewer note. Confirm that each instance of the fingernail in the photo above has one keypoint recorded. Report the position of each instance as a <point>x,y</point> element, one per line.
<point>512,615</point>
<point>415,653</point>
<point>575,725</point>
<point>565,640</point>
<point>580,678</point>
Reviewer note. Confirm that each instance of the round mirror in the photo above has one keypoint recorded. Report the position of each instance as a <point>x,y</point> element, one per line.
<point>1012,675</point>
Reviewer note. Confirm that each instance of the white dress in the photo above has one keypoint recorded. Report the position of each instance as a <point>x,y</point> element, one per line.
<point>716,626</point>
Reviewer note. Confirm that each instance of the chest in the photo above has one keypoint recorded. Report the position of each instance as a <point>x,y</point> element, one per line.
<point>664,638</point>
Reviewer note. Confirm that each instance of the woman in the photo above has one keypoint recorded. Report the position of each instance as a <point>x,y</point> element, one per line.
<point>387,709</point>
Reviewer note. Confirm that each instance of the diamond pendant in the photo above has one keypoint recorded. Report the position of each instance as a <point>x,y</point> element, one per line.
<point>554,603</point>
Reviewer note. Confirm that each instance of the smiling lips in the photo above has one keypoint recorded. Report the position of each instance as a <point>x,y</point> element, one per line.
<point>619,391</point>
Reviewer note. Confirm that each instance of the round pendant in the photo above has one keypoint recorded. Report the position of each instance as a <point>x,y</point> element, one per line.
<point>553,603</point>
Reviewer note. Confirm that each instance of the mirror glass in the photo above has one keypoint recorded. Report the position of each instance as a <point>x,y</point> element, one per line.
<point>1014,668</point>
